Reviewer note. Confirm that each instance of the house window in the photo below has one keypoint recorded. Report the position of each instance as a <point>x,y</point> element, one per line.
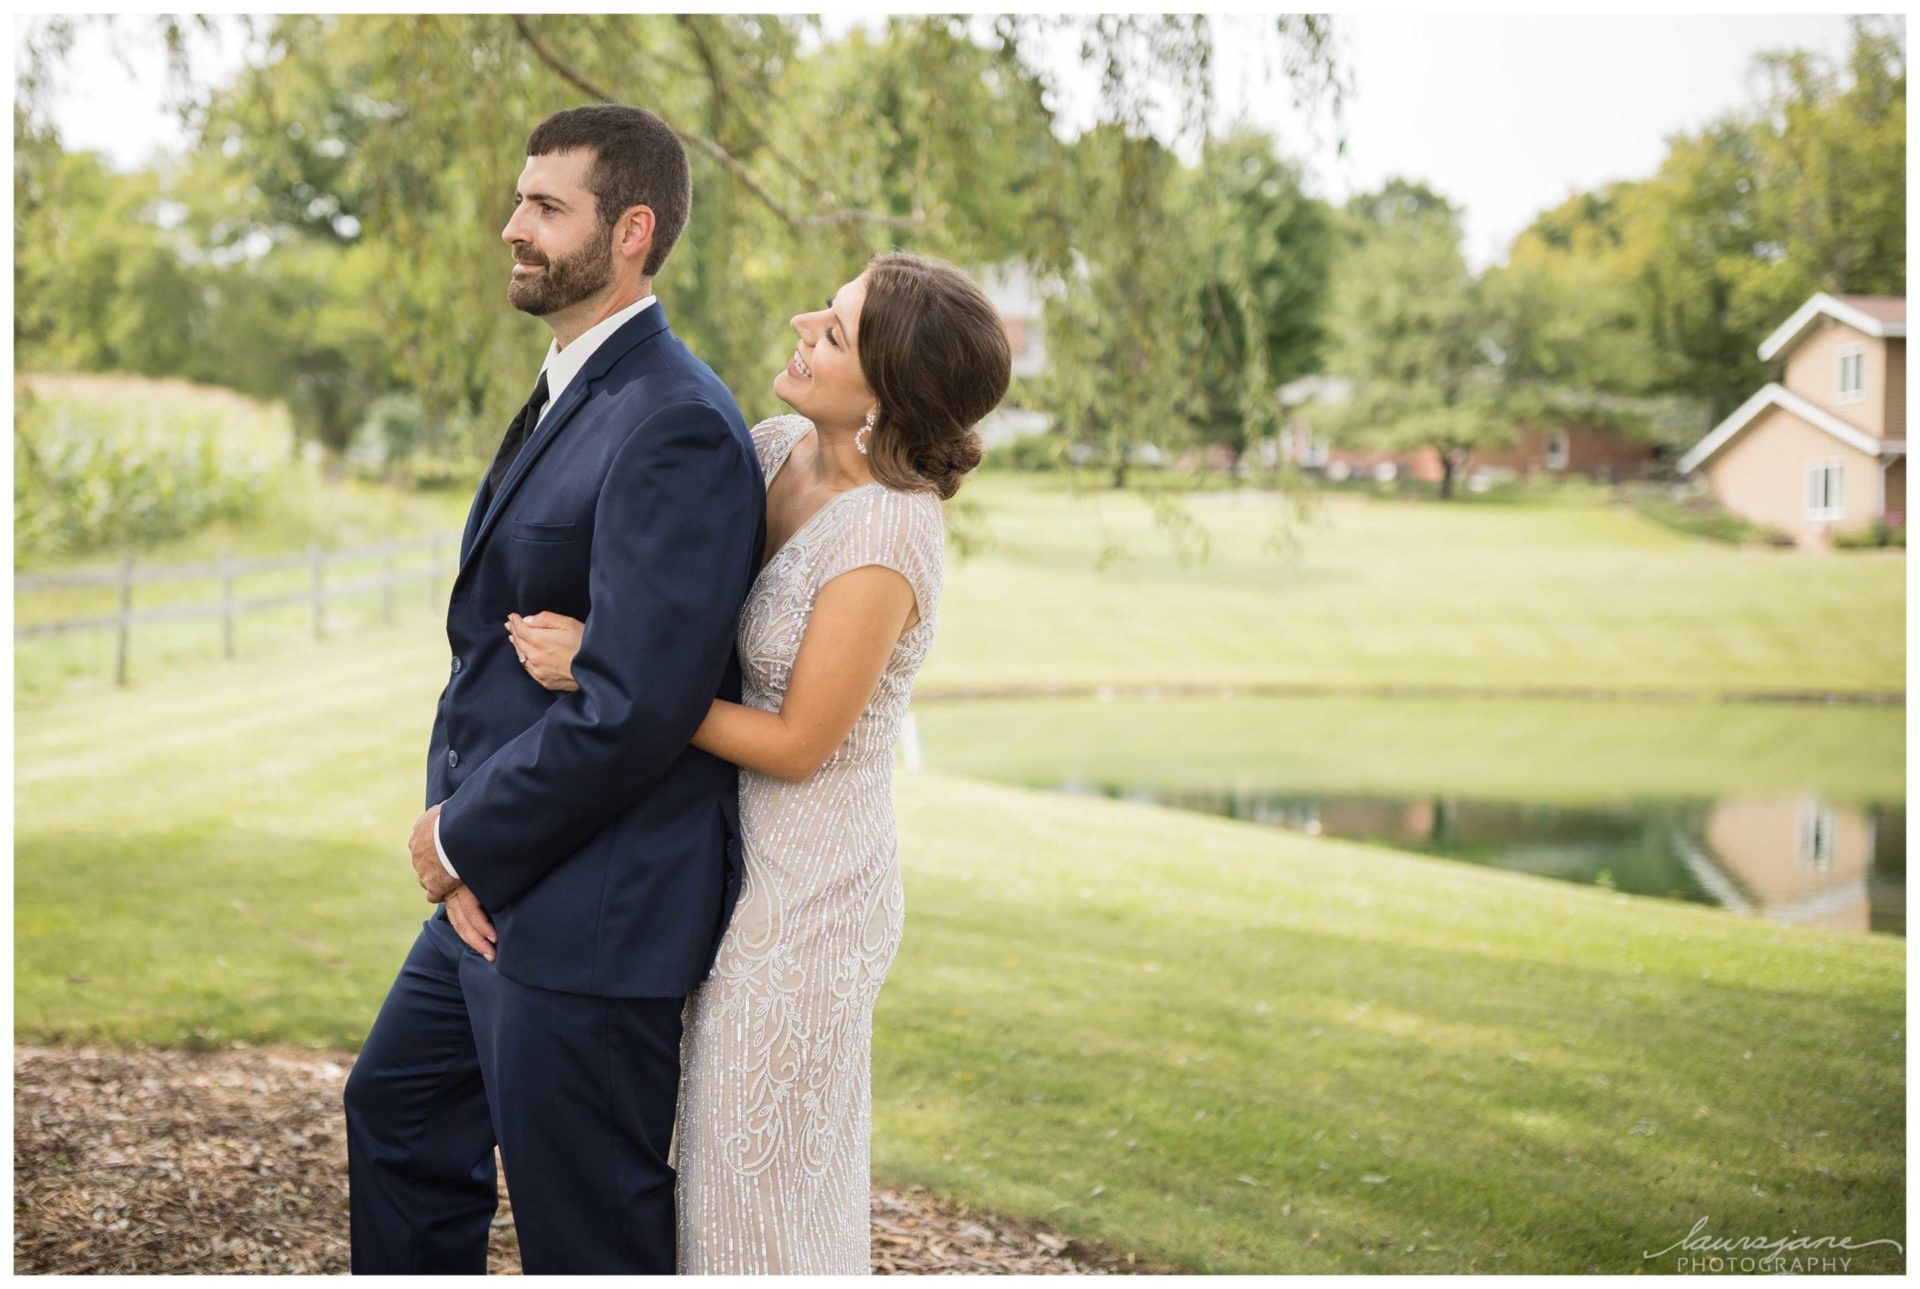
<point>1850,381</point>
<point>1557,450</point>
<point>1824,496</point>
<point>1813,835</point>
<point>1313,449</point>
<point>1016,335</point>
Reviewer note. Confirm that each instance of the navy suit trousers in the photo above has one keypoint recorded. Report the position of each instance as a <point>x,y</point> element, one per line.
<point>578,1091</point>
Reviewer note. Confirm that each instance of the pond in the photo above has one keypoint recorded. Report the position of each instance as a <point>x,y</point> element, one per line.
<point>1792,812</point>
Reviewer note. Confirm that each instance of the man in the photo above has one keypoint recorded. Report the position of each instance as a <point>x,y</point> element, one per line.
<point>584,857</point>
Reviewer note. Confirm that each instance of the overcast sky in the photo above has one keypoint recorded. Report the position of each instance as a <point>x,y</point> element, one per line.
<point>1507,116</point>
<point>1503,115</point>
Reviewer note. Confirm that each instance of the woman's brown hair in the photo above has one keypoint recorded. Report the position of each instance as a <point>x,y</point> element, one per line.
<point>935,355</point>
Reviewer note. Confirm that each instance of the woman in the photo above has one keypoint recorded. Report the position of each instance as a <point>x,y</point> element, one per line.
<point>774,1122</point>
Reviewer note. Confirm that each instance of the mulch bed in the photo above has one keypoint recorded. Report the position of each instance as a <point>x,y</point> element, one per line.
<point>151,1161</point>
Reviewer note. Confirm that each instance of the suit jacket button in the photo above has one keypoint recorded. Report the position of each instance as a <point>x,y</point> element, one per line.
<point>453,757</point>
<point>456,666</point>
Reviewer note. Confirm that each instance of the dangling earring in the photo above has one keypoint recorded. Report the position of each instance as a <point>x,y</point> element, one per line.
<point>860,435</point>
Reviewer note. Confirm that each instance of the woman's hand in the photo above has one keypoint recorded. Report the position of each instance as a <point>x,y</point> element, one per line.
<point>471,921</point>
<point>546,644</point>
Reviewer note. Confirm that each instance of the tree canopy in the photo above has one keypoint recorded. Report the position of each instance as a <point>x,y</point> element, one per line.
<point>332,235</point>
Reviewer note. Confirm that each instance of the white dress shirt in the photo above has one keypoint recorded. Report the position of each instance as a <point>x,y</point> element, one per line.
<point>561,366</point>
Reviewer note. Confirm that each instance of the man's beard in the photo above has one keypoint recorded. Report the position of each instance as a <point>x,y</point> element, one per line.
<point>565,281</point>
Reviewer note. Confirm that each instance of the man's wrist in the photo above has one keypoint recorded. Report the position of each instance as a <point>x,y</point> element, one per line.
<point>442,850</point>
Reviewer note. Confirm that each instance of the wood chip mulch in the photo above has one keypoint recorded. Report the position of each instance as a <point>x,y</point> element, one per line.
<point>153,1161</point>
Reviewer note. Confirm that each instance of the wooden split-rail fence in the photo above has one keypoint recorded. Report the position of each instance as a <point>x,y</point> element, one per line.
<point>441,547</point>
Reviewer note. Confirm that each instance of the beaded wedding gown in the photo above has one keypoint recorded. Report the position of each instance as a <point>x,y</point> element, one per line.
<point>775,1114</point>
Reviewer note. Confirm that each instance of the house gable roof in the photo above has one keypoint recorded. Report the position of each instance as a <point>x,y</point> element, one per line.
<point>1775,395</point>
<point>1876,315</point>
<point>1316,389</point>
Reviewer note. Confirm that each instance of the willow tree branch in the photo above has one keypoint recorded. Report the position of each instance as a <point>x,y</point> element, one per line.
<point>711,60</point>
<point>726,160</point>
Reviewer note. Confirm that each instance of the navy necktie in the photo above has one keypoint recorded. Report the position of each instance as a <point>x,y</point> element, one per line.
<point>517,434</point>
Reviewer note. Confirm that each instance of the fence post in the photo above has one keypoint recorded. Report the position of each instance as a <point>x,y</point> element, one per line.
<point>319,588</point>
<point>125,626</point>
<point>226,603</point>
<point>386,581</point>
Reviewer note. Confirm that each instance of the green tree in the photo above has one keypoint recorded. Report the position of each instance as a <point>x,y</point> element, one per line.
<point>1139,356</point>
<point>98,284</point>
<point>787,207</point>
<point>1830,187</point>
<point>1692,244</point>
<point>1667,285</point>
<point>390,144</point>
<point>1409,330</point>
<point>1119,362</point>
<point>1563,310</point>
<point>1261,303</point>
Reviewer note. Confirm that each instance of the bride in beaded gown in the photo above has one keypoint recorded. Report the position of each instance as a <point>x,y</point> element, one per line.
<point>774,1113</point>
<point>773,1136</point>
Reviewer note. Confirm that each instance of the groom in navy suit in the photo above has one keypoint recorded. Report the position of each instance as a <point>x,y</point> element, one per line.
<point>585,858</point>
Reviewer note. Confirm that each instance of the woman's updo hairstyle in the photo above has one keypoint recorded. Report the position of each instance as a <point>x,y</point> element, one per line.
<point>935,354</point>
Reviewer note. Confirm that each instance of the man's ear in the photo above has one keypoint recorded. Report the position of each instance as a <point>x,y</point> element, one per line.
<point>636,232</point>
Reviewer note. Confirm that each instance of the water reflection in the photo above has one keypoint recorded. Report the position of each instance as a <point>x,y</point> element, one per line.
<point>1792,858</point>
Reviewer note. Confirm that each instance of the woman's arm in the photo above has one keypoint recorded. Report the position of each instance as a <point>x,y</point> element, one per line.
<point>856,621</point>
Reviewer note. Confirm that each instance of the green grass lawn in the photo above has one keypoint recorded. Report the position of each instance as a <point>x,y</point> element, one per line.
<point>1563,593</point>
<point>1234,1048</point>
<point>1229,1047</point>
<point>1568,751</point>
<point>1244,1050</point>
<point>1086,589</point>
<point>337,515</point>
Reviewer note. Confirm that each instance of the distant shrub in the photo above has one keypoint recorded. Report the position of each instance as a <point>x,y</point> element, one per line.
<point>1878,533</point>
<point>391,432</point>
<point>95,475</point>
<point>1028,452</point>
<point>1404,486</point>
<point>447,455</point>
<point>441,474</point>
<point>1702,516</point>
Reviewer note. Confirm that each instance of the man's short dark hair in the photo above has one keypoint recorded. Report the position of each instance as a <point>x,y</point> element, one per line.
<point>637,161</point>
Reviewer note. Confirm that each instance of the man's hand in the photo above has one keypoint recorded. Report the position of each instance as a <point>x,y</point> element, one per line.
<point>470,920</point>
<point>435,880</point>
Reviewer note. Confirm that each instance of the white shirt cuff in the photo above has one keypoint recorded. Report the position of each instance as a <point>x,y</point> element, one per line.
<point>442,850</point>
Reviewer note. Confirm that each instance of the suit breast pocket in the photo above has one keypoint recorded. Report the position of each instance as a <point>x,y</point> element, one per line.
<point>524,530</point>
<point>548,568</point>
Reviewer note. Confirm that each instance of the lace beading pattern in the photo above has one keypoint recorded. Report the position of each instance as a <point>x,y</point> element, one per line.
<point>775,1121</point>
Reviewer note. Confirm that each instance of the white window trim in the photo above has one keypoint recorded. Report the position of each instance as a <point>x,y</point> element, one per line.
<point>1557,460</point>
<point>1813,835</point>
<point>1841,394</point>
<point>1816,490</point>
<point>1314,452</point>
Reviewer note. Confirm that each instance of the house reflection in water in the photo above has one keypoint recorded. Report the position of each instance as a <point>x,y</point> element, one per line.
<point>1790,859</point>
<point>1794,859</point>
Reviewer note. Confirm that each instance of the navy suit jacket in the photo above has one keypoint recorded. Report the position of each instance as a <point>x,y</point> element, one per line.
<point>605,848</point>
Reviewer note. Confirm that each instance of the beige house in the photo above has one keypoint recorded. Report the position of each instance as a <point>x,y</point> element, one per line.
<point>1021,301</point>
<point>1552,449</point>
<point>1823,450</point>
